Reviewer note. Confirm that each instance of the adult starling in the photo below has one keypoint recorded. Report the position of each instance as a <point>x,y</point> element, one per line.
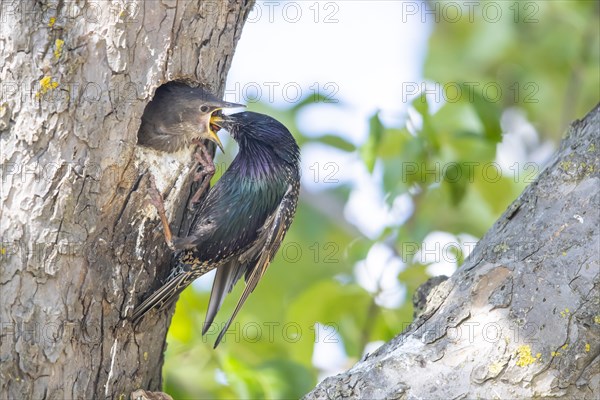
<point>239,226</point>
<point>178,116</point>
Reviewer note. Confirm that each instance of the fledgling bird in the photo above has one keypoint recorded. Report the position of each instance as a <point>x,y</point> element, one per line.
<point>239,226</point>
<point>179,116</point>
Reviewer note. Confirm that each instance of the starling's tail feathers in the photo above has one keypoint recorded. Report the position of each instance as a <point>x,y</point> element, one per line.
<point>250,286</point>
<point>226,277</point>
<point>163,296</point>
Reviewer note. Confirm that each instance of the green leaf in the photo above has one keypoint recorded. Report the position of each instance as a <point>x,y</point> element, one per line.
<point>456,180</point>
<point>489,112</point>
<point>421,105</point>
<point>314,98</point>
<point>337,142</point>
<point>368,151</point>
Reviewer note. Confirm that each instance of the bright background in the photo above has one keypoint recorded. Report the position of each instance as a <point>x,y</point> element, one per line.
<point>419,124</point>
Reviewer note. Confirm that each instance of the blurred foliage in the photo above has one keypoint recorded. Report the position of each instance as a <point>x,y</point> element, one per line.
<point>544,56</point>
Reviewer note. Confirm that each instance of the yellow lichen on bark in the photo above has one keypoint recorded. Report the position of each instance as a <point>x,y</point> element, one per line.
<point>524,356</point>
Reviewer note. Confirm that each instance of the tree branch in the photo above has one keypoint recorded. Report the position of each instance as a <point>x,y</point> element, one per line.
<point>520,318</point>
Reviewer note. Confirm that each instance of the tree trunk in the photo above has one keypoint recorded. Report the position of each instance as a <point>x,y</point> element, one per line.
<point>80,244</point>
<point>521,317</point>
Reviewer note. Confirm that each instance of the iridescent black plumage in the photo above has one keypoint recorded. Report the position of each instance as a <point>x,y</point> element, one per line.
<point>239,226</point>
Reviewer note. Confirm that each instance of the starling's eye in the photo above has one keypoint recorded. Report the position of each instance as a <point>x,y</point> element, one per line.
<point>204,109</point>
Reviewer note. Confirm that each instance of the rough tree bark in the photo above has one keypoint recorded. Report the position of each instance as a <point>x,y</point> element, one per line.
<point>80,245</point>
<point>521,317</point>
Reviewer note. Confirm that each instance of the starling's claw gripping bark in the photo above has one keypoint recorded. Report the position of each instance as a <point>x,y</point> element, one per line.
<point>157,201</point>
<point>205,161</point>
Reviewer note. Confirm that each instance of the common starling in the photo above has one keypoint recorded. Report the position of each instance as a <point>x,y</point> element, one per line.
<point>178,116</point>
<point>239,226</point>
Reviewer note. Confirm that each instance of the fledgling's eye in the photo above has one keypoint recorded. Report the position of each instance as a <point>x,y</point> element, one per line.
<point>204,109</point>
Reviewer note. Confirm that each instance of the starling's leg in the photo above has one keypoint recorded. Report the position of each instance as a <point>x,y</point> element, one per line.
<point>157,200</point>
<point>204,160</point>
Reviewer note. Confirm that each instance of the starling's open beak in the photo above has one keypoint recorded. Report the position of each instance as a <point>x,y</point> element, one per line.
<point>216,120</point>
<point>224,104</point>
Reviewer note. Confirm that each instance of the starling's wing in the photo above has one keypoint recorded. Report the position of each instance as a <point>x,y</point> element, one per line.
<point>203,229</point>
<point>266,247</point>
<point>227,275</point>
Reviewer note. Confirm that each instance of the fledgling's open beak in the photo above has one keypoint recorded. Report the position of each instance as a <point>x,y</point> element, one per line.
<point>216,120</point>
<point>212,131</point>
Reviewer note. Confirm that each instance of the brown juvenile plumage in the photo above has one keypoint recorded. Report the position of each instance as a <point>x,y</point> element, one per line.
<point>178,115</point>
